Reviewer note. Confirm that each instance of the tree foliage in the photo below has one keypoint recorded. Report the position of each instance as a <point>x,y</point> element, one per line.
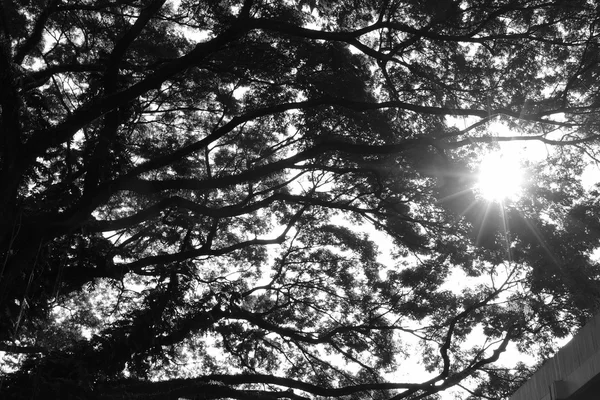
<point>273,199</point>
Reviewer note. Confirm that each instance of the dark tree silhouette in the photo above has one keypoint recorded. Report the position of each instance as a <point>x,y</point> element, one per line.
<point>192,192</point>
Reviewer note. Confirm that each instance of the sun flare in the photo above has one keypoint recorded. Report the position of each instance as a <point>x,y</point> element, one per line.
<point>500,177</point>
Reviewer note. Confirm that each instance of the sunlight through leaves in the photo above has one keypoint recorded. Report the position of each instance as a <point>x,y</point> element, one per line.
<point>500,177</point>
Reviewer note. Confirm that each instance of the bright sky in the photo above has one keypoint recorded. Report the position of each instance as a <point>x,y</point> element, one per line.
<point>500,176</point>
<point>501,179</point>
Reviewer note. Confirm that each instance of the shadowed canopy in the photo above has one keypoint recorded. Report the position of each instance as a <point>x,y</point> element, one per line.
<point>274,199</point>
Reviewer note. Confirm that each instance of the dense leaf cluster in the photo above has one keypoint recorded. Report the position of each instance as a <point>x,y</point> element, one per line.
<point>274,199</point>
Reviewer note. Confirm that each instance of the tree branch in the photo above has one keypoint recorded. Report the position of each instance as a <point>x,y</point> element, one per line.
<point>11,348</point>
<point>36,34</point>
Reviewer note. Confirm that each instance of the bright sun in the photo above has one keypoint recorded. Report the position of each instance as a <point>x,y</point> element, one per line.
<point>500,177</point>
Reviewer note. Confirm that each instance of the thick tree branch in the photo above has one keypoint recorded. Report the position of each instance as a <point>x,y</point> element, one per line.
<point>10,348</point>
<point>36,35</point>
<point>139,265</point>
<point>272,380</point>
<point>42,140</point>
<point>126,40</point>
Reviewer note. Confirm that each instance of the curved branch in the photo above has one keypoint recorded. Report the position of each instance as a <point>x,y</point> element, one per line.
<point>219,379</point>
<point>127,39</point>
<point>11,348</point>
<point>137,266</point>
<point>44,139</point>
<point>538,138</point>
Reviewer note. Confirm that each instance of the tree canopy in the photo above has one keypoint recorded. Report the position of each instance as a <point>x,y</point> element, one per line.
<point>275,199</point>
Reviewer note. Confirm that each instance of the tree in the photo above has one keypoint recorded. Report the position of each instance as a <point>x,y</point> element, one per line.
<point>191,192</point>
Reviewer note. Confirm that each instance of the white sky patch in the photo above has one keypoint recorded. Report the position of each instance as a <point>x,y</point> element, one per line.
<point>196,35</point>
<point>500,176</point>
<point>535,151</point>
<point>590,176</point>
<point>239,92</point>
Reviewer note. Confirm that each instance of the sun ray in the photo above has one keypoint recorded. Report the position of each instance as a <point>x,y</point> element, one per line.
<point>484,219</point>
<point>457,195</point>
<point>471,206</point>
<point>506,229</point>
<point>542,242</point>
